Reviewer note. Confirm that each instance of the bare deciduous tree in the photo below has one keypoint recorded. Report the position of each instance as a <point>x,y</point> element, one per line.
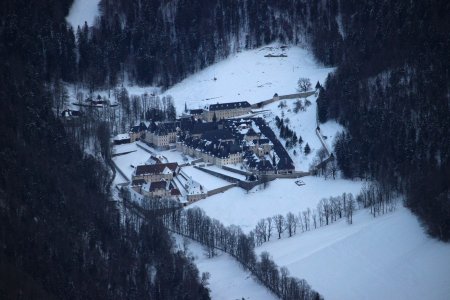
<point>279,224</point>
<point>290,223</point>
<point>304,84</point>
<point>269,228</point>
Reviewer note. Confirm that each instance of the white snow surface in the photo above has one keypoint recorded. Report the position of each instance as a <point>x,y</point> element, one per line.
<point>237,207</point>
<point>208,181</point>
<point>388,257</point>
<point>127,162</point>
<point>248,76</point>
<point>83,11</point>
<point>225,172</point>
<point>228,279</point>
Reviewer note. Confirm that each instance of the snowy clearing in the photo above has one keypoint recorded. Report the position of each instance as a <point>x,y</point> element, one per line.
<point>83,11</point>
<point>127,162</point>
<point>388,257</point>
<point>228,279</point>
<point>208,181</point>
<point>224,172</point>
<point>248,76</point>
<point>238,207</point>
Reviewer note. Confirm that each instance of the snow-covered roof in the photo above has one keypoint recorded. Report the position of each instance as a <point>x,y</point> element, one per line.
<point>121,136</point>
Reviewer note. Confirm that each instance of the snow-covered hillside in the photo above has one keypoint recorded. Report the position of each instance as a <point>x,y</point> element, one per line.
<point>83,11</point>
<point>248,76</point>
<point>388,257</point>
<point>228,280</point>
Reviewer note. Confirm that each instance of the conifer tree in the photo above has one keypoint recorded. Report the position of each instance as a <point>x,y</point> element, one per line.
<point>307,149</point>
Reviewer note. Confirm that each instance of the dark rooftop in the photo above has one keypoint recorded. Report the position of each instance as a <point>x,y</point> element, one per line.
<point>219,134</point>
<point>138,182</point>
<point>196,112</point>
<point>231,105</point>
<point>158,185</point>
<point>155,169</point>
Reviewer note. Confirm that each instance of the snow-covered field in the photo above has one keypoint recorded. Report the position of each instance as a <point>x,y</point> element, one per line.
<point>83,11</point>
<point>208,181</point>
<point>127,162</point>
<point>388,257</point>
<point>238,207</point>
<point>248,76</point>
<point>225,172</point>
<point>228,279</point>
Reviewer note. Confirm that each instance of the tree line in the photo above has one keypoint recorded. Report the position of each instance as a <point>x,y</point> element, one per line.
<point>328,211</point>
<point>196,225</point>
<point>391,92</point>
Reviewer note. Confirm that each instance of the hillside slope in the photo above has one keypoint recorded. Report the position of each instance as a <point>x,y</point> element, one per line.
<point>388,257</point>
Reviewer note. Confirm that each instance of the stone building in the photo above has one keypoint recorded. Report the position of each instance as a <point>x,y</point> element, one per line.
<point>155,172</point>
<point>226,110</point>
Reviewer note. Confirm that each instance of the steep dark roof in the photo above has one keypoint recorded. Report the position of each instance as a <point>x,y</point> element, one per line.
<point>264,165</point>
<point>215,147</point>
<point>139,128</point>
<point>251,132</point>
<point>285,163</point>
<point>158,185</point>
<point>261,141</point>
<point>219,134</point>
<point>232,105</point>
<point>175,192</point>
<point>203,127</point>
<point>155,169</point>
<point>163,128</point>
<point>196,112</point>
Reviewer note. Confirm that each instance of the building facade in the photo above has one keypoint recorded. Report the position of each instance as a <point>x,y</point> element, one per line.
<point>226,110</point>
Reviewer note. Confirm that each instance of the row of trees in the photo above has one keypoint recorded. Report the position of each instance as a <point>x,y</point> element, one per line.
<point>328,211</point>
<point>195,224</point>
<point>300,106</point>
<point>93,128</point>
<point>287,133</point>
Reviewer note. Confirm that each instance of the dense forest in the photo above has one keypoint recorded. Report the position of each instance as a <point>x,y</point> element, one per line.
<point>61,236</point>
<point>392,92</point>
<point>130,39</point>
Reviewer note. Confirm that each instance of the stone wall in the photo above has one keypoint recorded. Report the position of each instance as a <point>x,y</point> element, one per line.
<point>283,97</point>
<point>221,189</point>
